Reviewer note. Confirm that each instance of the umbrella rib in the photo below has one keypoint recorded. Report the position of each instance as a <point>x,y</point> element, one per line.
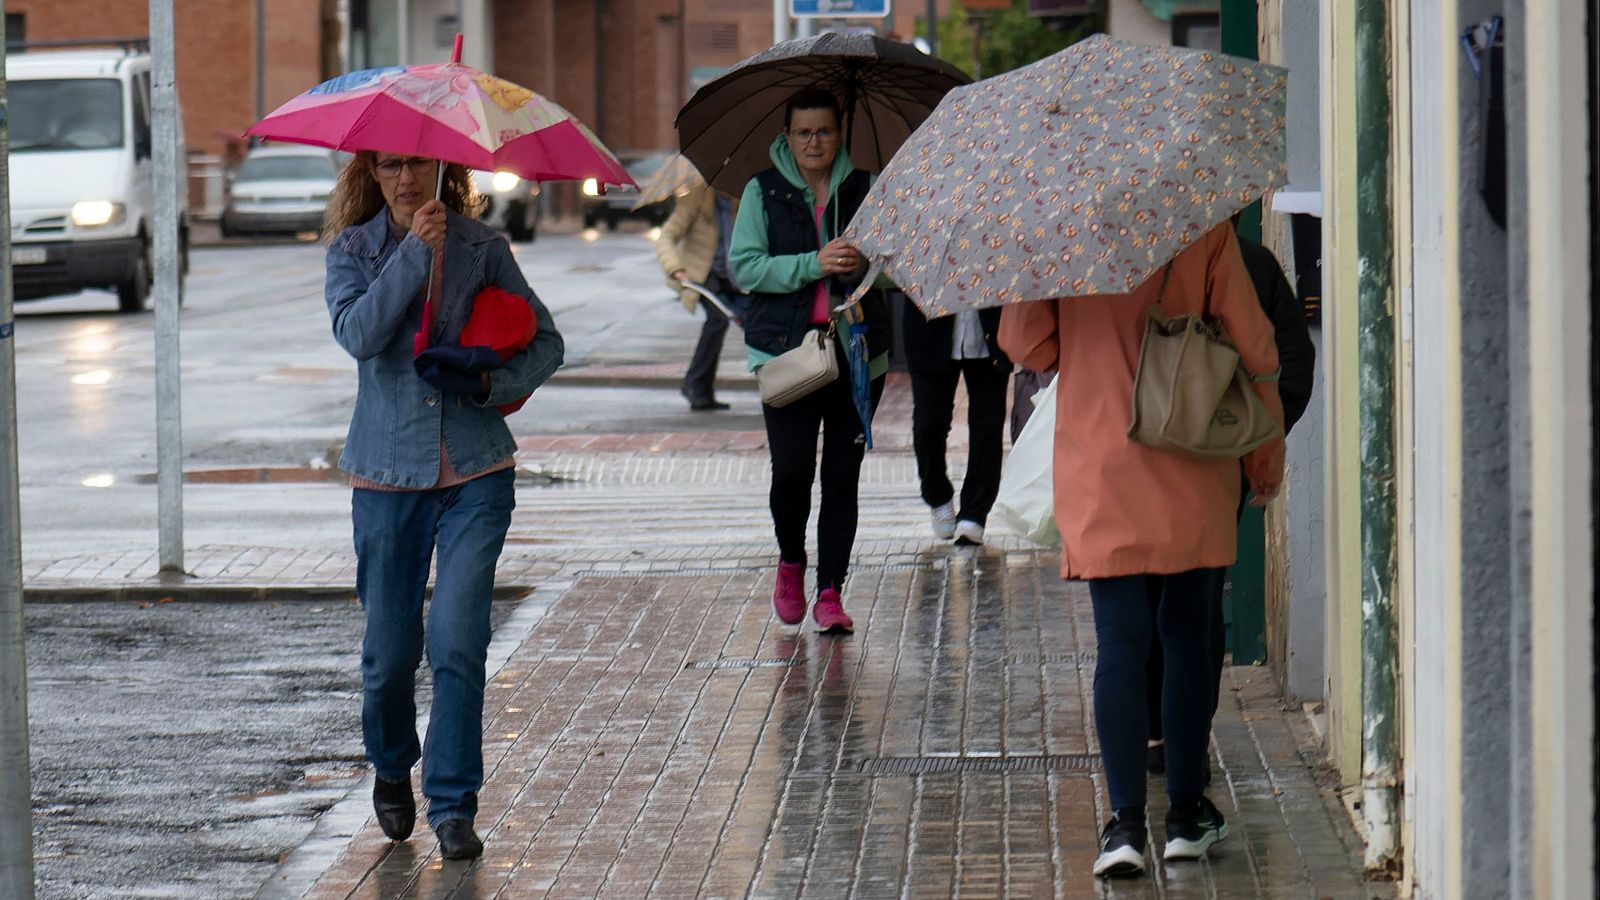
<point>877,146</point>
<point>910,126</point>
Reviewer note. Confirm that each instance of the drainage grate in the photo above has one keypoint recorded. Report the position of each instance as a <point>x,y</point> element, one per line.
<point>952,765</point>
<point>743,663</point>
<point>1082,658</point>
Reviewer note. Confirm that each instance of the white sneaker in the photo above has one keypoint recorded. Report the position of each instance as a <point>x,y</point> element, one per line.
<point>969,533</point>
<point>944,521</point>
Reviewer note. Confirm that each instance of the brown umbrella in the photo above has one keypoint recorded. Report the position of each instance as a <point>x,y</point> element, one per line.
<point>886,88</point>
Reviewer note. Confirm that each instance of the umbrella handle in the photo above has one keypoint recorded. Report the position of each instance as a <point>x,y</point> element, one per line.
<point>710,297</point>
<point>438,194</point>
<point>867,280</point>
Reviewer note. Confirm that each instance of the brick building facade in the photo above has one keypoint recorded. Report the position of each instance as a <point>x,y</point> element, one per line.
<point>215,41</point>
<point>625,66</point>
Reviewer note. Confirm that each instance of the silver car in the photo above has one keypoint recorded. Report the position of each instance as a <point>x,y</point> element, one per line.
<point>510,204</point>
<point>280,189</point>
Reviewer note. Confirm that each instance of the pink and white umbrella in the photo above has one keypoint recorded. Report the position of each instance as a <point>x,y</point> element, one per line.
<point>446,111</point>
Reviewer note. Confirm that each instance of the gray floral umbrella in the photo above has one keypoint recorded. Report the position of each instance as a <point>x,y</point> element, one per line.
<point>1082,173</point>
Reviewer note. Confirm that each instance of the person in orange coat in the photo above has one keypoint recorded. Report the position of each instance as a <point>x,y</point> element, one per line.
<point>1148,530</point>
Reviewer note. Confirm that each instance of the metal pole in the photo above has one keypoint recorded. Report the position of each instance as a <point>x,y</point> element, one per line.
<point>933,27</point>
<point>1380,780</point>
<point>16,792</point>
<point>164,159</point>
<point>780,21</point>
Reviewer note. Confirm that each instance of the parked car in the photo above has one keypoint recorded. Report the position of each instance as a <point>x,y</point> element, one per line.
<point>616,204</point>
<point>280,188</point>
<point>81,174</point>
<point>510,204</point>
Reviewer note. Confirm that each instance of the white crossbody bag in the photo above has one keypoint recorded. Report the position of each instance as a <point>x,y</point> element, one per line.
<point>801,371</point>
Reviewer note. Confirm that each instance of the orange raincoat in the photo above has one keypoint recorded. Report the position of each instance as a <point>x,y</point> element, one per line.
<point>1123,508</point>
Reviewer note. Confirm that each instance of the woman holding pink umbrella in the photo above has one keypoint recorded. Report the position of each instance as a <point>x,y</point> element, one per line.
<point>430,460</point>
<point>410,277</point>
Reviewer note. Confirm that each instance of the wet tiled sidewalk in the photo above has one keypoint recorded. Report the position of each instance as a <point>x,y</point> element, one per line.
<point>663,735</point>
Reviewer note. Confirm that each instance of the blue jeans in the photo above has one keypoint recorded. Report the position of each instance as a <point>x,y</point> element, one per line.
<point>395,535</point>
<point>1127,612</point>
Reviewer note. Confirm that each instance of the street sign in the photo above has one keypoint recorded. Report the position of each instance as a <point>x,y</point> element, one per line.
<point>838,9</point>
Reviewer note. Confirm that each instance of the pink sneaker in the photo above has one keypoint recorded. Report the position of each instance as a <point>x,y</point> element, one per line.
<point>830,615</point>
<point>789,598</point>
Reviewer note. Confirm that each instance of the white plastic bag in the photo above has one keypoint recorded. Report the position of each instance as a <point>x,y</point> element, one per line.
<point>1026,504</point>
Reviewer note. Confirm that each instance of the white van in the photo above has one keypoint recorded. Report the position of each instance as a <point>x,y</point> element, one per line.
<point>82,211</point>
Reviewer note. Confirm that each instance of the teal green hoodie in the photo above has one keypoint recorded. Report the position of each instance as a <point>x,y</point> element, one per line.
<point>754,269</point>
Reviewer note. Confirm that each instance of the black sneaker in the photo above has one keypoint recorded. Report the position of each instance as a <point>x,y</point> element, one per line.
<point>1122,846</point>
<point>1191,831</point>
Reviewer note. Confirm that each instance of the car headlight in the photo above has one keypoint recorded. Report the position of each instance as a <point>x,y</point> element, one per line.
<point>93,213</point>
<point>591,187</point>
<point>504,181</point>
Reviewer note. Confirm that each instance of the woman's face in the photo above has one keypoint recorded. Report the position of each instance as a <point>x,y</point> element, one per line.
<point>814,138</point>
<point>407,182</point>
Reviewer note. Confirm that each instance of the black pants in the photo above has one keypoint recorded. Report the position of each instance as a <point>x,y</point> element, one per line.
<point>1219,650</point>
<point>933,397</point>
<point>792,440</point>
<point>1128,613</point>
<point>699,383</point>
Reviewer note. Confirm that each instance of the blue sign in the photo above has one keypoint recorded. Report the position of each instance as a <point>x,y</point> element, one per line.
<point>839,9</point>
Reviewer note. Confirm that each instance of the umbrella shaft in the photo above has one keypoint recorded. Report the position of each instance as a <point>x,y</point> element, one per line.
<point>438,194</point>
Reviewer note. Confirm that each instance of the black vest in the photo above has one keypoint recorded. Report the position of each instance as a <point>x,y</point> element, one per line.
<point>777,322</point>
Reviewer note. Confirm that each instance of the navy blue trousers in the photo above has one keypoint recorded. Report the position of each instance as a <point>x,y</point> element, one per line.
<point>1128,612</point>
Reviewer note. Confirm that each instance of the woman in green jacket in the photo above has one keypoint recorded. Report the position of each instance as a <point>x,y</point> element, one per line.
<point>786,252</point>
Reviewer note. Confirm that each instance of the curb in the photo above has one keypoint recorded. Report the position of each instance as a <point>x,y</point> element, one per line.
<point>250,242</point>
<point>578,379</point>
<point>221,593</point>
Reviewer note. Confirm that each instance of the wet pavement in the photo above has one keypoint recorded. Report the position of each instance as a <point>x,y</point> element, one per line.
<point>652,732</point>
<point>663,735</point>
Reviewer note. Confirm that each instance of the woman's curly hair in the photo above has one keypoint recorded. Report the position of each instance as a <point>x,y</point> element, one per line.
<point>357,197</point>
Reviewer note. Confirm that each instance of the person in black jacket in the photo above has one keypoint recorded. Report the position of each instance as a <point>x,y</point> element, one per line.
<point>786,251</point>
<point>940,352</point>
<point>1297,362</point>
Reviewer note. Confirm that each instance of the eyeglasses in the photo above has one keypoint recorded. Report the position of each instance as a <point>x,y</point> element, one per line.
<point>419,165</point>
<point>803,136</point>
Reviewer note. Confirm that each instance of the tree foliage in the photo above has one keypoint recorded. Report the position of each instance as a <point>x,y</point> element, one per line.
<point>1009,38</point>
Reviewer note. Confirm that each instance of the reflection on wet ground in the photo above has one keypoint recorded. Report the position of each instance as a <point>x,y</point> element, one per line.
<point>662,734</point>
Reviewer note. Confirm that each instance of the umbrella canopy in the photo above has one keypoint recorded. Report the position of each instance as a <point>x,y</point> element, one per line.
<point>1082,173</point>
<point>676,177</point>
<point>885,87</point>
<point>445,111</point>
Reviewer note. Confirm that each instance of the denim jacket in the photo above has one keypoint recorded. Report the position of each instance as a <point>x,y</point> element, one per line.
<point>374,293</point>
